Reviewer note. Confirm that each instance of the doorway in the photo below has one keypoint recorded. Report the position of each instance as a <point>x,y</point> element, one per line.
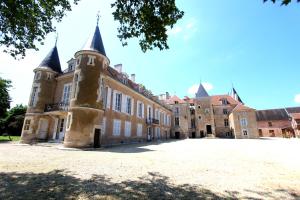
<point>193,135</point>
<point>177,135</point>
<point>97,134</point>
<point>208,129</point>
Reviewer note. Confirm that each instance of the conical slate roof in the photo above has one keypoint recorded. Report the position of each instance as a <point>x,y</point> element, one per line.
<point>235,95</point>
<point>95,43</point>
<point>201,92</point>
<point>52,61</point>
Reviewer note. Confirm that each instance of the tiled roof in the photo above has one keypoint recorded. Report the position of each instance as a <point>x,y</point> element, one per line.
<point>174,98</point>
<point>272,114</point>
<point>52,61</point>
<point>217,100</point>
<point>95,43</point>
<point>241,107</point>
<point>296,116</point>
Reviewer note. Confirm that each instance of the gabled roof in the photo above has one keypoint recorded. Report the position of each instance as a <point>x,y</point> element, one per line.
<point>52,60</point>
<point>216,100</point>
<point>241,107</point>
<point>201,92</point>
<point>95,43</point>
<point>272,114</point>
<point>174,98</point>
<point>235,95</point>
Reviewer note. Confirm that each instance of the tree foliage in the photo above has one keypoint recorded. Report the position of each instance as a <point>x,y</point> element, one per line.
<point>23,23</point>
<point>4,96</point>
<point>146,20</point>
<point>283,2</point>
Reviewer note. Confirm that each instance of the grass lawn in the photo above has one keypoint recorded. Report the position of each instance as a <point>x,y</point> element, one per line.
<point>6,138</point>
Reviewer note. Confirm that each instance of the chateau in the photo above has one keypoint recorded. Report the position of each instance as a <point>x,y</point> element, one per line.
<point>93,104</point>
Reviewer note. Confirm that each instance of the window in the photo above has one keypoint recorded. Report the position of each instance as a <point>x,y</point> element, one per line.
<point>193,124</point>
<point>176,121</point>
<point>176,102</point>
<point>243,122</point>
<point>224,101</point>
<point>199,117</point>
<point>270,124</point>
<point>139,131</point>
<point>176,110</point>
<point>118,101</point>
<point>66,94</point>
<point>76,79</point>
<point>91,60</point>
<point>49,76</point>
<point>117,127</point>
<point>140,109</point>
<point>27,125</point>
<point>206,110</point>
<point>128,105</point>
<point>226,122</point>
<point>108,97</point>
<point>33,96</point>
<point>199,107</point>
<point>69,120</point>
<point>37,75</point>
<point>225,111</point>
<point>149,112</point>
<point>245,132</point>
<point>272,133</point>
<point>127,129</point>
<point>104,126</point>
<point>61,125</point>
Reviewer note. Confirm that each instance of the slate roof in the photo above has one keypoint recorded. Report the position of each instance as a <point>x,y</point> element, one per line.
<point>95,43</point>
<point>52,61</point>
<point>201,92</point>
<point>293,110</point>
<point>174,98</point>
<point>272,114</point>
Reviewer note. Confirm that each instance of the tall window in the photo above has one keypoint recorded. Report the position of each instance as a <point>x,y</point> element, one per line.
<point>245,132</point>
<point>243,122</point>
<point>128,105</point>
<point>139,130</point>
<point>193,124</point>
<point>37,75</point>
<point>66,94</point>
<point>27,125</point>
<point>61,125</point>
<point>225,111</point>
<point>176,110</point>
<point>226,122</point>
<point>140,106</point>
<point>76,78</point>
<point>117,127</point>
<point>33,96</point>
<point>127,129</point>
<point>176,121</point>
<point>118,102</point>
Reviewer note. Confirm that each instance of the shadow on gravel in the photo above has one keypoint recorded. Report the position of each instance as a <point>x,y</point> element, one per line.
<point>59,185</point>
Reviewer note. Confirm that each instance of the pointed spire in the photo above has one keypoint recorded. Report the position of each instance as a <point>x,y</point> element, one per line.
<point>235,95</point>
<point>201,92</point>
<point>95,43</point>
<point>52,60</point>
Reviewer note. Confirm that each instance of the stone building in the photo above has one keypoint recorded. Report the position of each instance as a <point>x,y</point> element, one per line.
<point>222,116</point>
<point>91,103</point>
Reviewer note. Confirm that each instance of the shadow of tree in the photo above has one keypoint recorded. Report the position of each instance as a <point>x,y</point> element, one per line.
<point>59,185</point>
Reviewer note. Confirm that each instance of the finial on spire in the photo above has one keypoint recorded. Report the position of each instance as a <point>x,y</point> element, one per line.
<point>56,38</point>
<point>98,17</point>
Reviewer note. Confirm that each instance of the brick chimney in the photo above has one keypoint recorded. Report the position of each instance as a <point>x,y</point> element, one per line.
<point>132,77</point>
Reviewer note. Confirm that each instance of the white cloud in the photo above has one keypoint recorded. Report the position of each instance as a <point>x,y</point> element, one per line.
<point>193,89</point>
<point>174,30</point>
<point>297,98</point>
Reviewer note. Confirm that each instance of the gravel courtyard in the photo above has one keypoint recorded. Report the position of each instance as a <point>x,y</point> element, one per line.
<point>176,169</point>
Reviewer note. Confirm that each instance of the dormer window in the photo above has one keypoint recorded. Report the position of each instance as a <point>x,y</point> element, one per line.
<point>176,102</point>
<point>91,60</point>
<point>224,101</point>
<point>37,76</point>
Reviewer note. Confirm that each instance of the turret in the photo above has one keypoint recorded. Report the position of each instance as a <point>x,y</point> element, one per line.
<point>201,92</point>
<point>86,108</point>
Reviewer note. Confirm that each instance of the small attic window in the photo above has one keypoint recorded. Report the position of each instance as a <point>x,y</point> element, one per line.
<point>176,102</point>
<point>199,107</point>
<point>224,101</point>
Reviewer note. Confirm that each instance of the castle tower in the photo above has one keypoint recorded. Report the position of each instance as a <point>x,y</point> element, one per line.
<point>86,109</point>
<point>201,92</point>
<point>42,93</point>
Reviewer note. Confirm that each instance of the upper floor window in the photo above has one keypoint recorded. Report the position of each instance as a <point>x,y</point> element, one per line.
<point>206,110</point>
<point>224,101</point>
<point>37,75</point>
<point>66,94</point>
<point>243,122</point>
<point>176,110</point>
<point>76,80</point>
<point>33,96</point>
<point>49,76</point>
<point>225,111</point>
<point>140,109</point>
<point>226,122</point>
<point>91,60</point>
<point>270,124</point>
<point>176,121</point>
<point>118,102</point>
<point>176,102</point>
<point>128,105</point>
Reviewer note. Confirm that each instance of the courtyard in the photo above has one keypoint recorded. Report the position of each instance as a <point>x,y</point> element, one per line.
<point>176,169</point>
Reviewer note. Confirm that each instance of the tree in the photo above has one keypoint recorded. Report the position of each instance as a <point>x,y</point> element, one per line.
<point>4,96</point>
<point>283,2</point>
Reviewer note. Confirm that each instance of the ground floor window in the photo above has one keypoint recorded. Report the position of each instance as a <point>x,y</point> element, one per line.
<point>117,127</point>
<point>127,129</point>
<point>27,124</point>
<point>245,132</point>
<point>139,131</point>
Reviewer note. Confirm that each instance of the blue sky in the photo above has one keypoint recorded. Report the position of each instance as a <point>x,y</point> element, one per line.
<point>249,44</point>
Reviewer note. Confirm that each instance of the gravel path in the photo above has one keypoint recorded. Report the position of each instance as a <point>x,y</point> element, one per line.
<point>183,169</point>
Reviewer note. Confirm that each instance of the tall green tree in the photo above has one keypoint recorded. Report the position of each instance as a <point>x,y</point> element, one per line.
<point>4,96</point>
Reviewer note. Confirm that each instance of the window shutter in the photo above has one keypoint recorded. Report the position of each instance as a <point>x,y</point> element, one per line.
<point>132,106</point>
<point>114,100</point>
<point>108,97</point>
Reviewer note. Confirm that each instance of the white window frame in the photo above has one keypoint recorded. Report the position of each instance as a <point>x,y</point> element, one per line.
<point>66,94</point>
<point>91,60</point>
<point>118,101</point>
<point>127,129</point>
<point>34,95</point>
<point>128,105</point>
<point>140,109</point>
<point>244,122</point>
<point>103,128</point>
<point>116,127</point>
<point>139,130</point>
<point>37,75</point>
<point>108,97</point>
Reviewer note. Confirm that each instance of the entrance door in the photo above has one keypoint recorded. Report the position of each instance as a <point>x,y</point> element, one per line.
<point>177,135</point>
<point>208,129</point>
<point>193,135</point>
<point>43,129</point>
<point>97,135</point>
<point>61,129</point>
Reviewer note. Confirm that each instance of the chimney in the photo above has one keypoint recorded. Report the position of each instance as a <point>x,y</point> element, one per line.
<point>132,77</point>
<point>118,67</point>
<point>167,95</point>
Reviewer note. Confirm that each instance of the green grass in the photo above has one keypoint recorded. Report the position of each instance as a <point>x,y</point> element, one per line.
<point>6,138</point>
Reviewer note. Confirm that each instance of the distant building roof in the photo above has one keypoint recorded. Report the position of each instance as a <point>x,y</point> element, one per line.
<point>173,99</point>
<point>217,100</point>
<point>293,110</point>
<point>95,43</point>
<point>272,114</point>
<point>201,92</point>
<point>52,61</point>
